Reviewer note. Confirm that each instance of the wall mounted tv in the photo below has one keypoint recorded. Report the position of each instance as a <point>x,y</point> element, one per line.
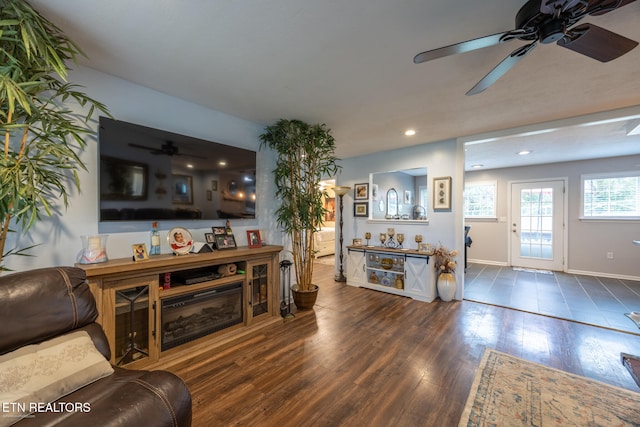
<point>149,174</point>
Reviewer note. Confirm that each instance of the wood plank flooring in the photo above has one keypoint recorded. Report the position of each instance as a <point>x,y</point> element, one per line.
<point>363,357</point>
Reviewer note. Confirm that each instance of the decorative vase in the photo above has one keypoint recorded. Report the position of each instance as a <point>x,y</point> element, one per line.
<point>446,286</point>
<point>305,300</point>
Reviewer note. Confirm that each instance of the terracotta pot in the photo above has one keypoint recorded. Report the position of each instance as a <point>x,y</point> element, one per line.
<point>305,300</point>
<point>446,286</point>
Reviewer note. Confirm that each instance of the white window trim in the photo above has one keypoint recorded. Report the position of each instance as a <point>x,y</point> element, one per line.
<point>495,199</point>
<point>584,177</point>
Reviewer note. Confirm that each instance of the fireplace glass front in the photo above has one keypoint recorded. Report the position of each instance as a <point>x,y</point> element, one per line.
<point>200,313</point>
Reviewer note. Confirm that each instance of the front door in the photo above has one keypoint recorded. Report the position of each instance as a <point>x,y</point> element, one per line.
<point>537,224</point>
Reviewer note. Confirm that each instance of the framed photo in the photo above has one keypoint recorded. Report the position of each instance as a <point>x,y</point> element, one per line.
<point>217,231</point>
<point>357,242</point>
<point>442,193</point>
<point>253,238</point>
<point>361,191</point>
<point>209,237</point>
<point>214,185</point>
<point>361,209</point>
<point>426,248</point>
<point>407,197</point>
<point>139,251</point>
<point>225,241</point>
<point>182,189</point>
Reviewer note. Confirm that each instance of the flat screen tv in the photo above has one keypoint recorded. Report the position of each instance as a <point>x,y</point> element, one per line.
<point>150,174</point>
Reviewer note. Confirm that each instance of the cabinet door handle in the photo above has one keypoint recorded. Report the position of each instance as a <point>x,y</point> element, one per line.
<point>153,332</point>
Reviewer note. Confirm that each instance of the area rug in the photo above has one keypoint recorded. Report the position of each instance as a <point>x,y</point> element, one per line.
<point>509,391</point>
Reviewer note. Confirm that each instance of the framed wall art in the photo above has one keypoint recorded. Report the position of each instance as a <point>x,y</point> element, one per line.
<point>361,209</point>
<point>442,193</point>
<point>361,191</point>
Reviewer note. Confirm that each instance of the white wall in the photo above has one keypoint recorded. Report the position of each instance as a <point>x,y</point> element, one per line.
<point>58,237</point>
<point>588,240</point>
<point>441,159</point>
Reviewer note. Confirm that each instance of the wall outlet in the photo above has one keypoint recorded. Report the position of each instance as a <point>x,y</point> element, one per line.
<point>609,255</point>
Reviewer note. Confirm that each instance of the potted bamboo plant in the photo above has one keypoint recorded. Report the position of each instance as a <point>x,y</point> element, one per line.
<point>42,135</point>
<point>305,156</point>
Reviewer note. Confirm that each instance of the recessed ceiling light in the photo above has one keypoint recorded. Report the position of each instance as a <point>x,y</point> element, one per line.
<point>189,165</point>
<point>410,132</point>
<point>524,152</point>
<point>222,163</point>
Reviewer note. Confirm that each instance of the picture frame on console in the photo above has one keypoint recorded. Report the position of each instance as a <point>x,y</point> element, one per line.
<point>139,251</point>
<point>225,241</point>
<point>253,239</point>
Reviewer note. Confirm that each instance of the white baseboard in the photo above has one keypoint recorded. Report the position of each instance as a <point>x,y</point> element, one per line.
<point>481,261</point>
<point>609,275</point>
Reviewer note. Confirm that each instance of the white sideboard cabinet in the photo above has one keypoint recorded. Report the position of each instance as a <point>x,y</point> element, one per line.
<point>403,272</point>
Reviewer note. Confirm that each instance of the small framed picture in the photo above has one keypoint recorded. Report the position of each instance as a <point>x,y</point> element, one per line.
<point>407,197</point>
<point>214,185</point>
<point>442,193</point>
<point>225,241</point>
<point>217,231</point>
<point>139,251</point>
<point>361,209</point>
<point>425,248</point>
<point>361,191</point>
<point>209,237</point>
<point>357,242</point>
<point>253,238</point>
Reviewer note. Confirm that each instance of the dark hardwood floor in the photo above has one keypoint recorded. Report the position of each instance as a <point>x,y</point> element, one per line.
<point>363,357</point>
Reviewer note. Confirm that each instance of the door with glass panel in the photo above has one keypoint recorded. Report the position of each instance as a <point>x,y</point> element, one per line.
<point>537,225</point>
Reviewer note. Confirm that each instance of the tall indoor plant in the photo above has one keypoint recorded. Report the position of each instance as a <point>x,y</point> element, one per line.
<point>42,135</point>
<point>305,156</point>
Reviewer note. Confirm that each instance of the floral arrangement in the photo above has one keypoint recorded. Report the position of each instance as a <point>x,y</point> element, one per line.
<point>444,262</point>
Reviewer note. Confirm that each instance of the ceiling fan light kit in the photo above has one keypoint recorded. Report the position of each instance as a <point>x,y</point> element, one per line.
<point>546,21</point>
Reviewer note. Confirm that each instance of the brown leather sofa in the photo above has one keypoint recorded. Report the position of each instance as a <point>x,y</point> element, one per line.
<point>40,305</point>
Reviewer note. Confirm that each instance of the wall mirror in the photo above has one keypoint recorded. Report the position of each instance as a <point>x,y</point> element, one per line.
<point>392,204</point>
<point>399,195</point>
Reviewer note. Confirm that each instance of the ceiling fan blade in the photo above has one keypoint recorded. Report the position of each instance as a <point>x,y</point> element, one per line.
<point>144,147</point>
<point>548,7</point>
<point>596,42</point>
<point>502,68</point>
<point>607,6</point>
<point>462,47</point>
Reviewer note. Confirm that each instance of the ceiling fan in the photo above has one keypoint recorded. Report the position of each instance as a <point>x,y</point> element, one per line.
<point>547,21</point>
<point>167,149</point>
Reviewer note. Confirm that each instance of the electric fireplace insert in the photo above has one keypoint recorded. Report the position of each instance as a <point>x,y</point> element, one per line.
<point>190,316</point>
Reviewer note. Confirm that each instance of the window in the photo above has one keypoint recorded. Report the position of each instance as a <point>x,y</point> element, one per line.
<point>611,196</point>
<point>480,199</point>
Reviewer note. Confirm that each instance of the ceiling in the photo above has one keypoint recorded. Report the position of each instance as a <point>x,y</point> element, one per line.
<point>350,65</point>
